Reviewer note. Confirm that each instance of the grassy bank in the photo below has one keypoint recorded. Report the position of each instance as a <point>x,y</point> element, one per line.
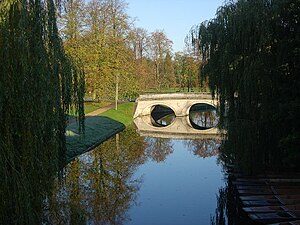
<point>124,114</point>
<point>92,106</point>
<point>97,129</point>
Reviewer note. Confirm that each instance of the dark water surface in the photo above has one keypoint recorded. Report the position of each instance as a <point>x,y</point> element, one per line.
<point>140,180</point>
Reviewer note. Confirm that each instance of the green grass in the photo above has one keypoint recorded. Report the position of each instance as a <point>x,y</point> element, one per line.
<point>92,106</point>
<point>124,114</point>
<point>97,130</point>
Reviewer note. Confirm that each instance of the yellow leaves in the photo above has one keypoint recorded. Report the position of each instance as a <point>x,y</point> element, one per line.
<point>5,7</point>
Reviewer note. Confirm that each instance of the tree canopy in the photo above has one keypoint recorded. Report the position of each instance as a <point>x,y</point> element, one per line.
<point>119,59</point>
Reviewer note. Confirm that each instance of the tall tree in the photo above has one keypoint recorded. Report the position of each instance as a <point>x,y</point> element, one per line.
<point>159,46</point>
<point>179,69</point>
<point>72,27</point>
<point>109,64</point>
<point>119,22</point>
<point>72,19</point>
<point>168,73</point>
<point>186,70</point>
<point>140,37</point>
<point>38,85</point>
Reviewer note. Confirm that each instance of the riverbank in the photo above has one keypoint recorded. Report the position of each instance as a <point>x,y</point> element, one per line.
<point>100,125</point>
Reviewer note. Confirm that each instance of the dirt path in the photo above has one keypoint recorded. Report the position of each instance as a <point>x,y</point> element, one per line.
<point>98,111</point>
<point>101,110</point>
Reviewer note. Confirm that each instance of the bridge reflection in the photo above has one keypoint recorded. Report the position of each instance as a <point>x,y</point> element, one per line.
<point>180,128</point>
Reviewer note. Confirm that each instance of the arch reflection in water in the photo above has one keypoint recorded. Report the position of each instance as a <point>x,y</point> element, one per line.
<point>180,128</point>
<point>203,116</point>
<point>162,116</point>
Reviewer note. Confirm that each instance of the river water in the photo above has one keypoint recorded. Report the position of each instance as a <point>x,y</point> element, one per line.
<point>140,180</point>
<point>179,187</point>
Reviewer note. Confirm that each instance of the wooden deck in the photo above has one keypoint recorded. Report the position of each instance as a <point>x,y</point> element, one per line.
<point>270,198</point>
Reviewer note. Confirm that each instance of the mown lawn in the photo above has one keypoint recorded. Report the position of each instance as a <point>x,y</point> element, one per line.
<point>124,114</point>
<point>97,128</point>
<point>91,106</point>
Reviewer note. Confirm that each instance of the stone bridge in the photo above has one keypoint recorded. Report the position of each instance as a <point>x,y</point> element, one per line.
<point>180,103</point>
<point>181,127</point>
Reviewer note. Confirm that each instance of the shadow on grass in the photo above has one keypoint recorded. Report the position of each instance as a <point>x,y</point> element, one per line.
<point>97,130</point>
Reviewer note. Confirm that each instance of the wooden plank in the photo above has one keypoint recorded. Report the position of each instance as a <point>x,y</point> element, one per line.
<point>268,191</point>
<point>270,197</point>
<point>262,209</point>
<point>266,179</point>
<point>262,203</point>
<point>249,183</point>
<point>256,192</point>
<point>279,187</point>
<point>291,208</point>
<point>273,217</point>
<point>293,222</point>
<point>272,202</point>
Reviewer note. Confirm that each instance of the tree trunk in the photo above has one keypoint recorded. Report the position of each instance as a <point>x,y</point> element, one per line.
<point>117,92</point>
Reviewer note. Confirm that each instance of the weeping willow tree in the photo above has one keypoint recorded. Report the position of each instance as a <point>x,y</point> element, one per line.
<point>38,85</point>
<point>251,55</point>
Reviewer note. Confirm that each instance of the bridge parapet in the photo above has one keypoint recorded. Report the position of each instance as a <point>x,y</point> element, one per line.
<point>180,103</point>
<point>173,96</point>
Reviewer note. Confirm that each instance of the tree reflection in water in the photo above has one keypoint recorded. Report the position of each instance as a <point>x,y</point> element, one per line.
<point>158,148</point>
<point>203,116</point>
<point>229,211</point>
<point>204,119</point>
<point>203,147</point>
<point>98,187</point>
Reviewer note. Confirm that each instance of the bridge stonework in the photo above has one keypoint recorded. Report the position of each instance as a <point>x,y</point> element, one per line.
<point>180,103</point>
<point>180,128</point>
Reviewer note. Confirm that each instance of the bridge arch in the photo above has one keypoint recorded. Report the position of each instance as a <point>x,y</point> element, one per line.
<point>180,103</point>
<point>182,124</point>
<point>203,116</point>
<point>201,102</point>
<point>159,113</point>
<point>153,106</point>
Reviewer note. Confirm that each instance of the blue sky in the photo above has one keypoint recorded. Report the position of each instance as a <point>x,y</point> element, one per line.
<point>175,17</point>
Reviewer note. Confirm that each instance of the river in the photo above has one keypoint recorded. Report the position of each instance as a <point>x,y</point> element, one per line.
<point>139,180</point>
<point>180,185</point>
